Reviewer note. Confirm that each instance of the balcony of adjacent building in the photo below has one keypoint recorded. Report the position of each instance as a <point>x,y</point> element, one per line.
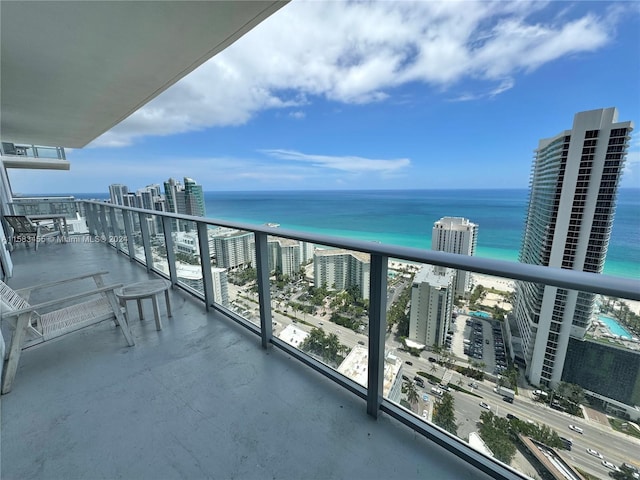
<point>220,390</point>
<point>33,157</point>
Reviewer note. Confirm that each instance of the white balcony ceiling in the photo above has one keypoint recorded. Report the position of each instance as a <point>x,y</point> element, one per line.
<point>70,71</point>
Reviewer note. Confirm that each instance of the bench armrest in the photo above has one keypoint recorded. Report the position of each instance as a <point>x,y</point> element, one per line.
<point>28,290</point>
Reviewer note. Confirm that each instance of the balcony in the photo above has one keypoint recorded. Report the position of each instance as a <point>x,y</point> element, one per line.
<point>33,157</point>
<point>201,397</point>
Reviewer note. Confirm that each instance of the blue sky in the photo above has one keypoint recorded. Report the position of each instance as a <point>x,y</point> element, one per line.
<point>393,95</point>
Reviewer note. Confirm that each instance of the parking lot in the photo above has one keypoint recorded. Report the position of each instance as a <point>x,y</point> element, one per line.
<point>480,340</point>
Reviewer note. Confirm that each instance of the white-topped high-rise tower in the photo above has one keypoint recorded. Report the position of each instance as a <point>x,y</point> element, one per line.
<point>456,235</point>
<point>574,184</point>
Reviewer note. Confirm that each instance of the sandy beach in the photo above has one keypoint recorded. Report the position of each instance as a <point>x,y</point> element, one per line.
<point>504,284</point>
<point>508,285</point>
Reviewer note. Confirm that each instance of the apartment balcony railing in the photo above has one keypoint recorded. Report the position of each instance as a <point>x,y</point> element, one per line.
<point>34,151</point>
<point>146,237</point>
<point>64,205</point>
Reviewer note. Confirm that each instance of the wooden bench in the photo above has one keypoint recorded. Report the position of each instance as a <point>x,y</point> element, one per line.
<point>76,312</point>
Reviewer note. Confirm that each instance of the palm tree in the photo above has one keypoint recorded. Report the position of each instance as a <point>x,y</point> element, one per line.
<point>409,389</point>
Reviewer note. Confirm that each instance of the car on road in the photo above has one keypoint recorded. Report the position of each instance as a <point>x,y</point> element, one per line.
<point>610,465</point>
<point>473,384</point>
<point>360,342</point>
<point>431,359</point>
<point>576,429</point>
<point>408,362</point>
<point>512,416</point>
<point>593,452</point>
<point>485,405</point>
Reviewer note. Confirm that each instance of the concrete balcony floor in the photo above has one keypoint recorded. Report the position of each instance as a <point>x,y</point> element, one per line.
<point>199,399</point>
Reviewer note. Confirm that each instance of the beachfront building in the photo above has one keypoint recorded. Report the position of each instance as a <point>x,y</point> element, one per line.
<point>432,294</point>
<point>574,184</point>
<point>456,235</point>
<point>186,242</point>
<point>117,191</point>
<point>232,250</point>
<point>149,197</point>
<point>187,199</point>
<point>306,250</point>
<point>355,366</point>
<point>341,269</point>
<point>287,255</point>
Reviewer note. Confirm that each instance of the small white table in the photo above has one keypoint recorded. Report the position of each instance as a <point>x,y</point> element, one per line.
<point>148,289</point>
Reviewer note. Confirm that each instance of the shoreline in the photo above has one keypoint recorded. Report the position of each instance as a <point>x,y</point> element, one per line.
<point>503,284</point>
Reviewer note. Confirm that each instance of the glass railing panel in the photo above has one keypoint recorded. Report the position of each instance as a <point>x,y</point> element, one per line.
<point>110,227</point>
<point>45,206</point>
<point>186,251</point>
<point>490,378</point>
<point>138,244</point>
<point>34,151</point>
<point>157,241</point>
<point>322,307</point>
<point>120,231</point>
<point>403,362</point>
<point>233,258</point>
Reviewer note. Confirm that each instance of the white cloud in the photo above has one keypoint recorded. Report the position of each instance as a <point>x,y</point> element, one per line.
<point>358,52</point>
<point>350,164</point>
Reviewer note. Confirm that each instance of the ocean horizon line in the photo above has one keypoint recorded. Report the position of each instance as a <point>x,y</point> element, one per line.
<point>106,192</point>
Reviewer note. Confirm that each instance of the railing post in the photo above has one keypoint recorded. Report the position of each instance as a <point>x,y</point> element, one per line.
<point>264,288</point>
<point>146,240</point>
<point>128,231</point>
<point>377,331</point>
<point>168,244</point>
<point>205,264</point>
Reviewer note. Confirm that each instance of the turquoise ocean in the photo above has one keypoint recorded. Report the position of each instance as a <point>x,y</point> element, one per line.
<point>406,217</point>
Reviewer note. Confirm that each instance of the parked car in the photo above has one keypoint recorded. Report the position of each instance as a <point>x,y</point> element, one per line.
<point>408,362</point>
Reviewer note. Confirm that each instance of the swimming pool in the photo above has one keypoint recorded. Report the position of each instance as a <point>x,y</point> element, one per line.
<point>480,314</point>
<point>614,327</point>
